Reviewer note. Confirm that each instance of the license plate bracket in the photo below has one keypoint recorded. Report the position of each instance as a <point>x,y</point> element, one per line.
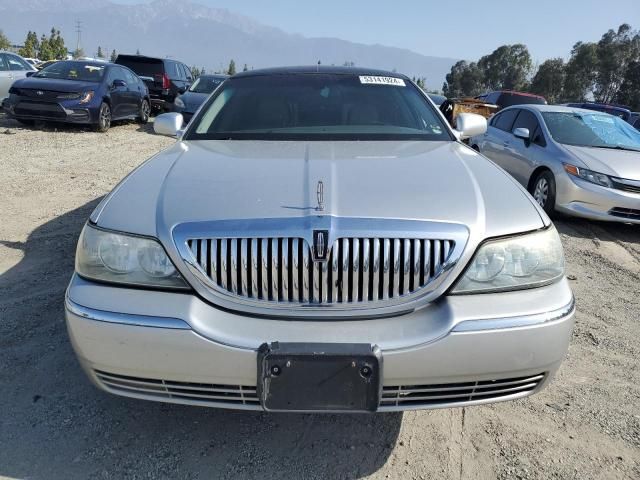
<point>310,377</point>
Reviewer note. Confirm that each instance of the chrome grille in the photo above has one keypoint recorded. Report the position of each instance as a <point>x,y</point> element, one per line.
<point>452,393</point>
<point>204,393</point>
<point>357,270</point>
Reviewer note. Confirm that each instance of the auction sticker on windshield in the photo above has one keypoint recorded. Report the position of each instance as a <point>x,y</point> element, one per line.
<point>398,82</point>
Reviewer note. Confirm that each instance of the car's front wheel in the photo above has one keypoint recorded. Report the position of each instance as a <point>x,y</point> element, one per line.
<point>543,189</point>
<point>145,112</point>
<point>104,117</point>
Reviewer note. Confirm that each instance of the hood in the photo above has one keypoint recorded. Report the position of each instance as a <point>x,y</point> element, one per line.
<point>193,100</point>
<point>244,180</point>
<point>618,163</point>
<point>56,85</point>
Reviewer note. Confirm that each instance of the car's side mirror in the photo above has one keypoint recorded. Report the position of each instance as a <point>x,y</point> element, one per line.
<point>169,124</point>
<point>30,72</point>
<point>522,133</point>
<point>470,124</point>
<point>119,84</point>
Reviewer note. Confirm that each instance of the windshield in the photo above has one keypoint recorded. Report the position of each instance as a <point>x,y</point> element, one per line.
<point>205,84</point>
<point>591,130</point>
<point>317,106</point>
<point>79,71</point>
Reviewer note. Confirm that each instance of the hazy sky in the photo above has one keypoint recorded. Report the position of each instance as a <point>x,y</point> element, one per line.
<point>459,28</point>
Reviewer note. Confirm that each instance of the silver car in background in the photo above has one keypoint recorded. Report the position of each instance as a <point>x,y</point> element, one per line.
<point>319,239</point>
<point>575,161</point>
<point>12,68</point>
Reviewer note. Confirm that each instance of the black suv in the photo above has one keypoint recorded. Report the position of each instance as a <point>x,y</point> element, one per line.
<point>507,98</point>
<point>165,78</point>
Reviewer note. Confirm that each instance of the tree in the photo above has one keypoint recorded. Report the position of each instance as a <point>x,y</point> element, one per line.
<point>580,72</point>
<point>506,68</point>
<point>195,72</point>
<point>464,79</point>
<point>245,68</point>
<point>100,54</point>
<point>549,80</point>
<point>114,55</point>
<point>232,68</point>
<point>78,52</point>
<point>31,45</point>
<point>137,51</point>
<point>203,71</point>
<point>56,43</point>
<point>44,50</point>
<point>615,51</point>
<point>629,93</point>
<point>5,44</point>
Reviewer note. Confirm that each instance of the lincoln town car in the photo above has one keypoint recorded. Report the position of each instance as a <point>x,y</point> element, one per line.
<point>319,240</point>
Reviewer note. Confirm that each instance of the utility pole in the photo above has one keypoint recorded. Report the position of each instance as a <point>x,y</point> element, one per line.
<point>79,32</point>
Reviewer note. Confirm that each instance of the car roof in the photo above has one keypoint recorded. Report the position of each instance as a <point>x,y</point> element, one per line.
<point>552,108</point>
<point>92,63</point>
<point>320,69</point>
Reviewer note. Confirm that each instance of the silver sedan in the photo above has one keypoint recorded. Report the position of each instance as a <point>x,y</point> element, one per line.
<point>319,239</point>
<point>575,161</point>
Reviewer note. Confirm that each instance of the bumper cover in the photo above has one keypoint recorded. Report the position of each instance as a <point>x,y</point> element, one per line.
<point>435,357</point>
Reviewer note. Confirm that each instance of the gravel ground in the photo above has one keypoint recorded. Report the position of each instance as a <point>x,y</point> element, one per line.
<point>54,424</point>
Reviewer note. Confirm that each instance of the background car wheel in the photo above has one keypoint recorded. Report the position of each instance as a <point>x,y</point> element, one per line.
<point>104,118</point>
<point>543,190</point>
<point>145,112</point>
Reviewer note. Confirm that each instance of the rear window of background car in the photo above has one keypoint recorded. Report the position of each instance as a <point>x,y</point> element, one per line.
<point>504,120</point>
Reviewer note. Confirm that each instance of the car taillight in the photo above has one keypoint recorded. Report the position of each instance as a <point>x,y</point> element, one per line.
<point>166,83</point>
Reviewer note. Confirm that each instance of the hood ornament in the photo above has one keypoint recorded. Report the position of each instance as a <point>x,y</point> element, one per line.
<point>320,196</point>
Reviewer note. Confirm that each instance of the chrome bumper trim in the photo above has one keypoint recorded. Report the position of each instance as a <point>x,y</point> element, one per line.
<point>125,318</point>
<point>516,322</point>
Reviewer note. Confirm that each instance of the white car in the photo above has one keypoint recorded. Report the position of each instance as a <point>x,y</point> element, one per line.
<point>12,67</point>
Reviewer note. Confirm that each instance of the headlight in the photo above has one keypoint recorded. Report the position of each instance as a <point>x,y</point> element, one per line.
<point>514,263</point>
<point>86,96</point>
<point>588,175</point>
<point>120,258</point>
<point>179,103</point>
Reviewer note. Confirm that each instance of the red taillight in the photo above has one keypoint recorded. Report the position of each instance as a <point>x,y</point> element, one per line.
<point>164,79</point>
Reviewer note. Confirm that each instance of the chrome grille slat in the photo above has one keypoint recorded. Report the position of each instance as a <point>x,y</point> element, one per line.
<point>356,270</point>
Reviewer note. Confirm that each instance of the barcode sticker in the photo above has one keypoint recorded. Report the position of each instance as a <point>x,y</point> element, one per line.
<point>397,82</point>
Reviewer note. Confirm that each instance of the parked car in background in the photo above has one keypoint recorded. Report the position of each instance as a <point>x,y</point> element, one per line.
<point>617,110</point>
<point>42,65</point>
<point>437,99</point>
<point>12,68</point>
<point>71,91</point>
<point>318,239</point>
<point>452,107</point>
<point>507,98</point>
<point>34,62</point>
<point>190,101</point>
<point>575,161</point>
<point>165,78</point>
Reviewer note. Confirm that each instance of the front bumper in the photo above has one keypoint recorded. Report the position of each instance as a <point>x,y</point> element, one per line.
<point>587,200</point>
<point>49,111</point>
<point>459,351</point>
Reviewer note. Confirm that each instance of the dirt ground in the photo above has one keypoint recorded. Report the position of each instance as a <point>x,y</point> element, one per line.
<point>55,425</point>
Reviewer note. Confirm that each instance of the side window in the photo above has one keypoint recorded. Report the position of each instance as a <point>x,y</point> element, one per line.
<point>130,78</point>
<point>187,72</point>
<point>16,63</point>
<point>492,97</point>
<point>4,66</point>
<point>538,137</point>
<point>504,121</point>
<point>527,120</point>
<point>172,70</point>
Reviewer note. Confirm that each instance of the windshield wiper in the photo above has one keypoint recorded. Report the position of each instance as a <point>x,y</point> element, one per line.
<point>617,147</point>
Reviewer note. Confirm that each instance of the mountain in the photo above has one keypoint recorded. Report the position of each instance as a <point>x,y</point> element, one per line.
<point>201,36</point>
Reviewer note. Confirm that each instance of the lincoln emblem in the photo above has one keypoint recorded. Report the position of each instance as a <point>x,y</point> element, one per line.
<point>320,241</point>
<point>320,193</point>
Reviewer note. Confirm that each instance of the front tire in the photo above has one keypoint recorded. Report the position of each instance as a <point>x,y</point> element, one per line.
<point>104,117</point>
<point>145,112</point>
<point>543,190</point>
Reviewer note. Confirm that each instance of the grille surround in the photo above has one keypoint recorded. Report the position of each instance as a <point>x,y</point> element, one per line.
<point>238,235</point>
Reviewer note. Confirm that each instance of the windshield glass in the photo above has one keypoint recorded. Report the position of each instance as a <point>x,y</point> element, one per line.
<point>317,106</point>
<point>79,71</point>
<point>205,84</point>
<point>591,130</point>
